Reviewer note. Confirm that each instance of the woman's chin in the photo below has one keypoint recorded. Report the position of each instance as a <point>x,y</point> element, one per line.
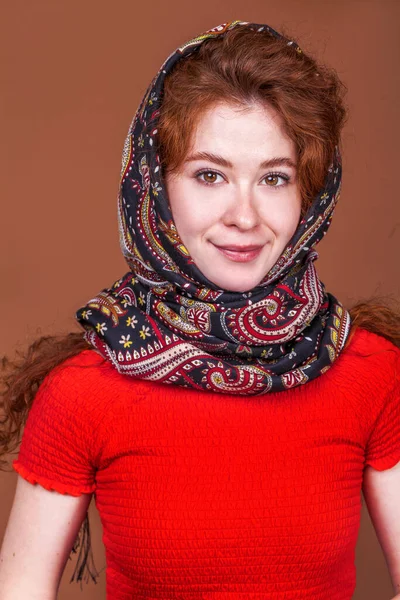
<point>230,285</point>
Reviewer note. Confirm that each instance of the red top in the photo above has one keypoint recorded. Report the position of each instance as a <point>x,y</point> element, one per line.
<point>212,496</point>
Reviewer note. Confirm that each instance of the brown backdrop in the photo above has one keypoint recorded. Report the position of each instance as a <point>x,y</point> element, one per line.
<point>74,72</point>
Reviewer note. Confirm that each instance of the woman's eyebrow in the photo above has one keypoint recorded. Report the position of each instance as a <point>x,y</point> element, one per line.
<point>219,160</point>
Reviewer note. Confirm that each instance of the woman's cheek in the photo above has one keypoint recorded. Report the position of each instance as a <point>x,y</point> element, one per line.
<point>204,208</point>
<point>282,218</point>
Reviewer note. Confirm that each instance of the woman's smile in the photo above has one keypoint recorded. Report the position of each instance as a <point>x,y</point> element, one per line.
<point>240,253</point>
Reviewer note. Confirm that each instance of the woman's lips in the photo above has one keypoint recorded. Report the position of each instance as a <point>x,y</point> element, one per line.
<point>240,253</point>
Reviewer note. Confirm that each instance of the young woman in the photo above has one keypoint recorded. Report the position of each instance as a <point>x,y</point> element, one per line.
<point>242,477</point>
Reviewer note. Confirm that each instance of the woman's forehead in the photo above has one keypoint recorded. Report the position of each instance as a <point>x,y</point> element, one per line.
<point>234,135</point>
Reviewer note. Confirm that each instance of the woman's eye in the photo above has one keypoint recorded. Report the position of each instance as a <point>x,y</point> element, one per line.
<point>208,177</point>
<point>273,178</point>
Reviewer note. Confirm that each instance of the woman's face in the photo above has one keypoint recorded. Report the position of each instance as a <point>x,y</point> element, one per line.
<point>235,200</point>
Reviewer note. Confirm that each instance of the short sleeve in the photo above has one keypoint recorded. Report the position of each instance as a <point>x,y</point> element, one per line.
<point>57,443</point>
<point>383,448</point>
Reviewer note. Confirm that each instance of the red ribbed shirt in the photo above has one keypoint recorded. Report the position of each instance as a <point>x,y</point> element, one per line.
<point>214,496</point>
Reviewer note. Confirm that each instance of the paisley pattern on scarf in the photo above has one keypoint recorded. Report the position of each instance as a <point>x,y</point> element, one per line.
<point>165,321</point>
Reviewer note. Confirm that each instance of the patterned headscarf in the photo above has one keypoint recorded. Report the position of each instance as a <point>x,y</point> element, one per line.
<point>165,321</point>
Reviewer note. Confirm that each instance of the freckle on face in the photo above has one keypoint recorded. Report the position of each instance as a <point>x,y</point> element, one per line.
<point>240,209</point>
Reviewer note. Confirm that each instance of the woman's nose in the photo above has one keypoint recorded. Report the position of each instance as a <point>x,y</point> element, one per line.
<point>242,211</point>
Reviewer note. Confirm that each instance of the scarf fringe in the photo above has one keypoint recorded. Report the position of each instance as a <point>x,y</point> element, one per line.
<point>85,568</point>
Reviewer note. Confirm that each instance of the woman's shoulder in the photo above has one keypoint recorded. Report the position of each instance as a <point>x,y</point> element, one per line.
<point>370,358</point>
<point>367,342</point>
<point>84,383</point>
<point>88,379</point>
<point>82,369</point>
